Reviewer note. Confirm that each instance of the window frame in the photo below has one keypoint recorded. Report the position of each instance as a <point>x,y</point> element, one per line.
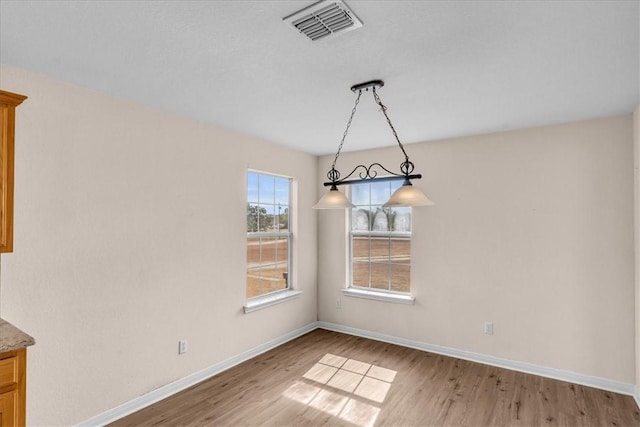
<point>369,292</point>
<point>272,297</point>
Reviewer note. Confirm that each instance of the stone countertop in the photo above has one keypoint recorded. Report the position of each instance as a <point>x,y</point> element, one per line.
<point>12,338</point>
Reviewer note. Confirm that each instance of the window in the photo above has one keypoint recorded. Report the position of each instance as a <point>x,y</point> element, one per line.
<point>380,239</point>
<point>268,234</point>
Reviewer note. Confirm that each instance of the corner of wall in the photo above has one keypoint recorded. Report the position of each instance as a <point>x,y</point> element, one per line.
<point>636,185</point>
<point>319,164</point>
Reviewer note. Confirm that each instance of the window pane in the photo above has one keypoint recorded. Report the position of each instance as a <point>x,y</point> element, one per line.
<point>274,262</point>
<point>253,251</point>
<point>381,218</point>
<point>400,274</point>
<point>360,252</point>
<point>268,283</point>
<point>282,262</point>
<point>267,188</point>
<point>400,277</point>
<point>400,250</point>
<point>282,218</point>
<point>401,219</point>
<point>360,219</point>
<point>380,192</point>
<point>360,273</point>
<point>360,194</point>
<point>252,187</point>
<point>265,218</point>
<point>253,267</point>
<point>360,248</point>
<point>281,191</point>
<point>380,248</point>
<point>253,217</point>
<point>393,186</point>
<point>253,284</point>
<point>268,251</point>
<point>380,275</point>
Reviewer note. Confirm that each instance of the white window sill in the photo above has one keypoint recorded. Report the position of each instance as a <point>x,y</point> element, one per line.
<point>259,303</point>
<point>379,295</point>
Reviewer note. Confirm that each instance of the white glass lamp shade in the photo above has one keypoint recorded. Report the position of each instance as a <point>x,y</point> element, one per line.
<point>408,195</point>
<point>334,199</point>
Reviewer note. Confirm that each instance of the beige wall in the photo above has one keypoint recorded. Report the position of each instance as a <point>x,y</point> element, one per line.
<point>129,235</point>
<point>636,168</point>
<point>532,230</point>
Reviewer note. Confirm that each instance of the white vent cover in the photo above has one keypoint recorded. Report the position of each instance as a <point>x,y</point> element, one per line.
<point>324,18</point>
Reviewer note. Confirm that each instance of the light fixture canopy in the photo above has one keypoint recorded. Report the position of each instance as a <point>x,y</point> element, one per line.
<point>406,195</point>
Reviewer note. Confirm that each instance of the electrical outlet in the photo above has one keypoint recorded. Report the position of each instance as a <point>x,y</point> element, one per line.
<point>338,303</point>
<point>488,328</point>
<point>182,346</point>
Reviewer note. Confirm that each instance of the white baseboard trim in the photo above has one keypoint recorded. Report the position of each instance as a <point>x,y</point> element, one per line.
<point>163,392</point>
<point>572,377</point>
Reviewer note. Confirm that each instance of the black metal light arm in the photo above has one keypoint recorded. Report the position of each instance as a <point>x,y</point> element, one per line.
<point>378,179</point>
<point>368,173</point>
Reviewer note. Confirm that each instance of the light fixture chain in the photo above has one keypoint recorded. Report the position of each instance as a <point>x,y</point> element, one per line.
<point>384,111</point>
<point>346,131</point>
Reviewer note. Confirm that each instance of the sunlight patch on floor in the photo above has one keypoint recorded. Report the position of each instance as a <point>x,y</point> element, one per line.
<point>329,402</point>
<point>320,373</point>
<point>345,388</point>
<point>301,392</point>
<point>345,381</point>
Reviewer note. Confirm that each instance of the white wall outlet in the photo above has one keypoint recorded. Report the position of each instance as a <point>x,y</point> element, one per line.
<point>488,328</point>
<point>182,346</point>
<point>338,303</point>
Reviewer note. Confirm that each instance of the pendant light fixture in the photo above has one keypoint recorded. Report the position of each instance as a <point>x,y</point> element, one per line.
<point>406,195</point>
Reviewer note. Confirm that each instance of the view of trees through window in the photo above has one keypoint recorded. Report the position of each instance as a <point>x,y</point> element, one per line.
<point>268,233</point>
<point>380,239</point>
<point>258,219</point>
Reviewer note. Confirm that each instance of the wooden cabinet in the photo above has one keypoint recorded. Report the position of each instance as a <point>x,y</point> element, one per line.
<point>8,103</point>
<point>13,388</point>
<point>8,413</point>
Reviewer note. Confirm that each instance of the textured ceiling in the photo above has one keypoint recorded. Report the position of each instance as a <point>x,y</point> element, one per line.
<point>451,68</point>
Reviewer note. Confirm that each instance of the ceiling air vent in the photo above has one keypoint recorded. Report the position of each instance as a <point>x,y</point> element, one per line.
<point>324,18</point>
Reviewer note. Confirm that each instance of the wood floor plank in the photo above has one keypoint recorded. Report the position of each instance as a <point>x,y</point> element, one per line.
<point>376,383</point>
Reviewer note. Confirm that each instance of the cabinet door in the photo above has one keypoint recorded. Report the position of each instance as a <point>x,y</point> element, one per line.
<point>6,177</point>
<point>8,410</point>
<point>8,103</point>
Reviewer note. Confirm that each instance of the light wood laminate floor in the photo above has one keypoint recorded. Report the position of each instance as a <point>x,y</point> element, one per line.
<point>329,378</point>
